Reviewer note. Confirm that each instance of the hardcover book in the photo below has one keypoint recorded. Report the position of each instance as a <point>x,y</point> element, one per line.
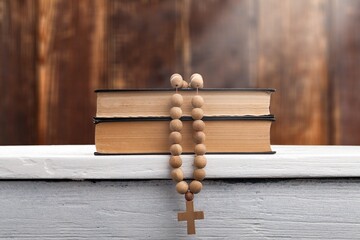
<point>156,102</point>
<point>137,121</point>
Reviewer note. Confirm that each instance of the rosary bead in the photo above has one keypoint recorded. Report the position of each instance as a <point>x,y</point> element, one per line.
<point>197,113</point>
<point>175,112</point>
<point>195,186</point>
<point>200,149</point>
<point>176,80</point>
<point>200,161</point>
<point>175,149</point>
<point>185,84</point>
<point>198,125</point>
<point>199,174</point>
<point>182,187</point>
<point>177,100</point>
<point>175,137</point>
<point>175,161</point>
<point>197,101</point>
<point>199,137</point>
<point>196,81</point>
<point>189,196</point>
<point>176,125</point>
<point>177,174</point>
<point>195,75</point>
<point>175,75</point>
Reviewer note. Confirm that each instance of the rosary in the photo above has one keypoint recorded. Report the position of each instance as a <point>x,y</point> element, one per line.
<point>175,137</point>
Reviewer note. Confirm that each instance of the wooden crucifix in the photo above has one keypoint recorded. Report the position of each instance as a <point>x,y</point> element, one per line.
<point>190,216</point>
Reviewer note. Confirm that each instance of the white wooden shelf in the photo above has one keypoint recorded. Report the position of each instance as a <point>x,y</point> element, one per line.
<point>79,162</point>
<point>288,209</point>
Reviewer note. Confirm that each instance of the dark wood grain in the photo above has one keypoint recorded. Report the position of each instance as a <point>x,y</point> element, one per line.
<point>292,57</point>
<point>70,68</point>
<point>141,43</point>
<point>345,70</point>
<point>53,54</point>
<point>222,42</point>
<point>18,104</point>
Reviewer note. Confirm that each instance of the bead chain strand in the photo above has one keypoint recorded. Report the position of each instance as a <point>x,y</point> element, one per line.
<point>175,136</point>
<point>199,136</point>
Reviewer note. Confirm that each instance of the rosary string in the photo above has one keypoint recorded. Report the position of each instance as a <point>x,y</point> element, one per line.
<point>175,139</point>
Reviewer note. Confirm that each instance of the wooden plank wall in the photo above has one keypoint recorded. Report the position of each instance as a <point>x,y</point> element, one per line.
<point>55,53</point>
<point>18,91</point>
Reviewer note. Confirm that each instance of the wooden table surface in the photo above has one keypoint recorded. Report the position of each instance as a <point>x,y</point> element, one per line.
<point>79,162</point>
<point>301,192</point>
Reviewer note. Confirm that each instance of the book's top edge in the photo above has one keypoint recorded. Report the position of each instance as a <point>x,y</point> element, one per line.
<point>187,89</point>
<point>269,117</point>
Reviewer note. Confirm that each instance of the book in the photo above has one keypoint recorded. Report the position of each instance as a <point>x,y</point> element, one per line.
<point>149,135</point>
<point>156,102</point>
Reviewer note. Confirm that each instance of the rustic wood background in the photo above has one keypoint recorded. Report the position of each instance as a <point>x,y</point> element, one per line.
<point>55,53</point>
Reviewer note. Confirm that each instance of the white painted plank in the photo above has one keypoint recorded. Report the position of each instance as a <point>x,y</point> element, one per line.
<point>247,210</point>
<point>78,162</point>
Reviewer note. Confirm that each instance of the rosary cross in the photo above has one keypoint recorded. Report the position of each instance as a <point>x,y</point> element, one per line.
<point>190,216</point>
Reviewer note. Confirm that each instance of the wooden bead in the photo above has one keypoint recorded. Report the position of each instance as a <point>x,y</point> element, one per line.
<point>182,187</point>
<point>197,113</point>
<point>175,112</point>
<point>175,161</point>
<point>197,101</point>
<point>175,149</point>
<point>177,174</point>
<point>176,80</point>
<point>175,137</point>
<point>176,125</point>
<point>195,75</point>
<point>199,174</point>
<point>199,137</point>
<point>200,161</point>
<point>185,84</point>
<point>200,149</point>
<point>195,186</point>
<point>189,196</point>
<point>196,81</point>
<point>175,75</point>
<point>198,125</point>
<point>177,100</point>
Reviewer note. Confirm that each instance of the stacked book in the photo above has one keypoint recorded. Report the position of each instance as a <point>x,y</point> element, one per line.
<point>137,121</point>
